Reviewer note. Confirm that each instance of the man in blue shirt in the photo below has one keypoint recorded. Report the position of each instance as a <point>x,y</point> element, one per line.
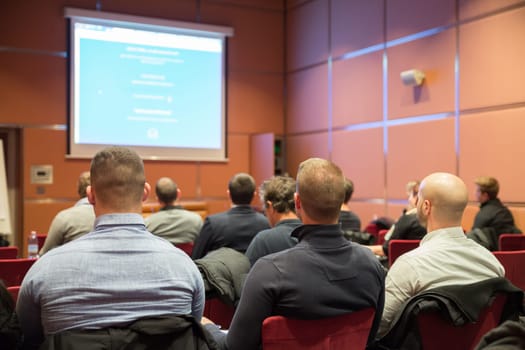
<point>117,273</point>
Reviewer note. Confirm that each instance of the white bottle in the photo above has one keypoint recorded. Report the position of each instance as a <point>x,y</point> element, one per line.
<point>32,246</point>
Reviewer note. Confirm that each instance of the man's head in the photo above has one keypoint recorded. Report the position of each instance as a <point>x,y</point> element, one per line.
<point>442,198</point>
<point>167,191</point>
<point>349,190</point>
<point>486,188</point>
<point>277,196</point>
<point>412,191</point>
<point>83,183</point>
<point>320,191</point>
<point>241,188</point>
<point>118,183</point>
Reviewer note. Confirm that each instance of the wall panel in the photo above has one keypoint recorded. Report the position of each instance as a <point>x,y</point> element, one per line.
<point>355,25</point>
<point>302,147</point>
<point>307,94</point>
<point>417,150</point>
<point>185,10</point>
<point>433,55</point>
<point>357,86</point>
<point>307,34</point>
<point>360,155</point>
<point>491,60</point>
<point>255,103</point>
<point>32,89</point>
<point>492,145</point>
<point>472,8</point>
<point>405,17</point>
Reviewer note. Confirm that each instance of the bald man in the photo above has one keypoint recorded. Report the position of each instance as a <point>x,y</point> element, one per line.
<point>445,255</point>
<point>172,222</point>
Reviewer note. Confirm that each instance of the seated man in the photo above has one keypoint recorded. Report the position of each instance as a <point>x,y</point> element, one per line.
<point>348,219</point>
<point>493,217</point>
<point>71,223</point>
<point>173,222</point>
<point>236,227</point>
<point>277,197</point>
<point>117,273</point>
<point>445,255</point>
<point>324,275</point>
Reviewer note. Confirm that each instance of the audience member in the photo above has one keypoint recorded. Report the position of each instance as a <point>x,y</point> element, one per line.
<point>493,217</point>
<point>71,223</point>
<point>236,227</point>
<point>277,198</point>
<point>348,219</point>
<point>445,255</point>
<point>324,275</point>
<point>117,273</point>
<point>407,226</point>
<point>172,222</point>
<point>10,332</point>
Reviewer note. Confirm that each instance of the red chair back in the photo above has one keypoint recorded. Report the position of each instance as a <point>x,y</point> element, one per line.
<point>381,237</point>
<point>219,312</point>
<point>12,271</point>
<point>8,252</point>
<point>349,331</point>
<point>438,333</point>
<point>511,241</point>
<point>41,240</point>
<point>13,290</point>
<point>398,247</point>
<point>513,262</point>
<point>186,247</point>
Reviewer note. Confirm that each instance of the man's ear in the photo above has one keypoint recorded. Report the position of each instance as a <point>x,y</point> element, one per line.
<point>147,190</point>
<point>179,192</point>
<point>90,195</point>
<point>297,201</point>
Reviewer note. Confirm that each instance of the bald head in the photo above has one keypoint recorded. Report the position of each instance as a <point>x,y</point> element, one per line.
<point>166,190</point>
<point>441,201</point>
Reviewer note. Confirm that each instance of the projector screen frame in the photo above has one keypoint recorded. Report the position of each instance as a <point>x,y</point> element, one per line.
<point>190,154</point>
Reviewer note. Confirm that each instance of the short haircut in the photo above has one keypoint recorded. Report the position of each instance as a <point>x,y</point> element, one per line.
<point>117,176</point>
<point>166,190</point>
<point>349,190</point>
<point>242,188</point>
<point>84,181</point>
<point>412,187</point>
<point>320,185</point>
<point>489,185</point>
<point>279,190</point>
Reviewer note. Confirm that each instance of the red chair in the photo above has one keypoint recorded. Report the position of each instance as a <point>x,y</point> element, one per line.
<point>12,271</point>
<point>41,240</point>
<point>8,252</point>
<point>186,247</point>
<point>381,237</point>
<point>513,262</point>
<point>373,230</point>
<point>398,247</point>
<point>13,290</point>
<point>438,333</point>
<point>511,241</point>
<point>349,331</point>
<point>219,312</point>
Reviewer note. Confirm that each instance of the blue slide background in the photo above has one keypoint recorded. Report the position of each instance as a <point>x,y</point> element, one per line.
<point>107,97</point>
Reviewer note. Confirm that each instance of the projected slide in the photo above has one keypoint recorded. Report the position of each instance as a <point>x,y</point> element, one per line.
<point>148,89</point>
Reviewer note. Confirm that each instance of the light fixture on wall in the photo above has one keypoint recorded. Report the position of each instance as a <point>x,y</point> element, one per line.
<point>412,77</point>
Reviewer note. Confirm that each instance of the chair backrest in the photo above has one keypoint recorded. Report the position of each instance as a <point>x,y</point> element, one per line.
<point>186,247</point>
<point>349,331</point>
<point>513,262</point>
<point>12,271</point>
<point>8,252</point>
<point>381,237</point>
<point>41,239</point>
<point>438,333</point>
<point>218,311</point>
<point>398,247</point>
<point>511,241</point>
<point>13,290</point>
